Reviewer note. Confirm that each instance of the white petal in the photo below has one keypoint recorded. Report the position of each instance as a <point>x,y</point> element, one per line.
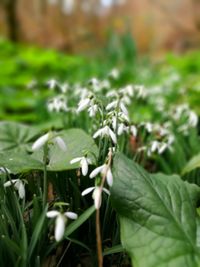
<point>75,160</point>
<point>60,227</point>
<point>97,171</point>
<point>84,166</point>
<point>71,215</point>
<point>40,142</point>
<point>21,189</point>
<point>124,109</point>
<point>97,197</point>
<point>162,148</point>
<point>83,104</point>
<point>120,129</point>
<point>113,136</point>
<point>9,183</point>
<point>52,213</point>
<point>87,191</point>
<point>60,142</point>
<point>106,191</point>
<point>98,133</point>
<point>109,177</point>
<point>111,105</point>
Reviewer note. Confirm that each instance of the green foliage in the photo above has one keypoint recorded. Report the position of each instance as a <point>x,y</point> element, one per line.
<point>158,216</point>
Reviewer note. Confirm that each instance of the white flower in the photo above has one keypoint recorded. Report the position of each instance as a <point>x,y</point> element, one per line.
<point>193,119</point>
<point>133,130</point>
<point>97,192</point>
<point>42,140</point>
<point>18,185</point>
<point>103,170</point>
<point>93,110</point>
<point>57,104</point>
<point>52,84</point>
<point>114,74</point>
<point>84,162</point>
<point>61,219</point>
<point>83,104</point>
<point>106,131</point>
<point>60,142</point>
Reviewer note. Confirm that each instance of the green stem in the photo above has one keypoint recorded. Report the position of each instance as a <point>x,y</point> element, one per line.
<point>45,182</point>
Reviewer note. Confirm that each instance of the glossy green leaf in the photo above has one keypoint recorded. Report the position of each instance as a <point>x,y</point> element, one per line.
<point>15,149</point>
<point>15,136</point>
<point>193,164</point>
<point>158,217</point>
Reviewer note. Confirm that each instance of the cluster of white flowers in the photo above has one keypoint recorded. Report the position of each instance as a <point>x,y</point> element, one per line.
<point>184,117</point>
<point>57,104</point>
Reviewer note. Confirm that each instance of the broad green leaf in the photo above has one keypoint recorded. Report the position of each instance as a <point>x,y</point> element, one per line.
<point>18,162</point>
<point>15,136</point>
<point>193,164</point>
<point>158,217</point>
<point>17,159</point>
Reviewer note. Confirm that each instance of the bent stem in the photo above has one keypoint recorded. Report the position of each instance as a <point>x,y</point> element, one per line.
<point>98,228</point>
<point>45,182</point>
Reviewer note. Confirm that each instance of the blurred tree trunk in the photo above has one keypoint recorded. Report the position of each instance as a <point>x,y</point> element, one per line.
<point>196,10</point>
<point>10,8</point>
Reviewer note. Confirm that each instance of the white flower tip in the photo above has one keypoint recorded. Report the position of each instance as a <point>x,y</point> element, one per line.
<point>41,141</point>
<point>71,215</point>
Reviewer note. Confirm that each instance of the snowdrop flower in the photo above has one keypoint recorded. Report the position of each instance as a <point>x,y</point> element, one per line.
<point>84,162</point>
<point>61,219</point>
<point>57,104</point>
<point>193,119</point>
<point>106,131</point>
<point>83,104</point>
<point>18,185</point>
<point>114,74</point>
<point>42,140</point>
<point>52,84</point>
<point>133,130</point>
<point>97,194</point>
<point>103,170</point>
<point>60,142</point>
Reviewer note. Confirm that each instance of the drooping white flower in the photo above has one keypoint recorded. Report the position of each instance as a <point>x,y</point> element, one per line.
<point>52,84</point>
<point>18,185</point>
<point>61,219</point>
<point>60,142</point>
<point>50,136</point>
<point>103,170</point>
<point>57,104</point>
<point>114,74</point>
<point>40,142</point>
<point>84,162</point>
<point>97,194</point>
<point>83,104</point>
<point>106,131</point>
